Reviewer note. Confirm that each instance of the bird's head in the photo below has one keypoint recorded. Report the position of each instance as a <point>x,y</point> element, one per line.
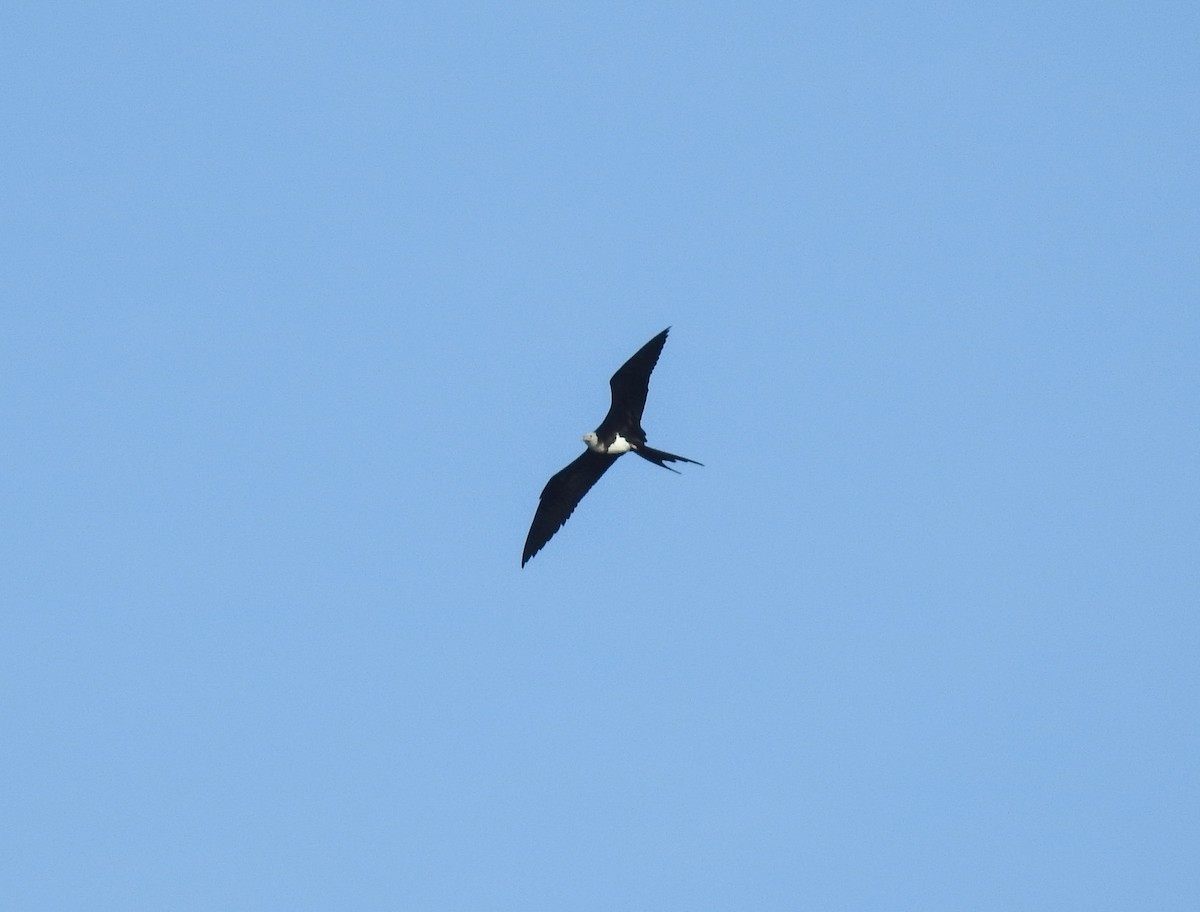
<point>591,440</point>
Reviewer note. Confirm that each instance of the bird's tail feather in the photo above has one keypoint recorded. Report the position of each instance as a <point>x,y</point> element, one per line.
<point>661,458</point>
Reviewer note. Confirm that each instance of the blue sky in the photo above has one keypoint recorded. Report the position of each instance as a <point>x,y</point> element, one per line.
<point>303,303</point>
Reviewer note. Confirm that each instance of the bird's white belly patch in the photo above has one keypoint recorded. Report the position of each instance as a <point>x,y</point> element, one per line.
<point>619,445</point>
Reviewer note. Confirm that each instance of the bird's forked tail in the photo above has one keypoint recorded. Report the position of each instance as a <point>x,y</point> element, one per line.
<point>661,458</point>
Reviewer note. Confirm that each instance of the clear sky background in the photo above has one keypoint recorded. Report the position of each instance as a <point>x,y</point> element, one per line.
<point>304,302</point>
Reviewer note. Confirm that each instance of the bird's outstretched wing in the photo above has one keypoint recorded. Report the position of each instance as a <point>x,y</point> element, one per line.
<point>560,497</point>
<point>630,384</point>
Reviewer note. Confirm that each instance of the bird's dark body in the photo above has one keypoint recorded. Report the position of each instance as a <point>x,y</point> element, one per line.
<point>629,385</point>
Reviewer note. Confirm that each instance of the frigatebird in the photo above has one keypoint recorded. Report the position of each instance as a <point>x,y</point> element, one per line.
<point>620,432</point>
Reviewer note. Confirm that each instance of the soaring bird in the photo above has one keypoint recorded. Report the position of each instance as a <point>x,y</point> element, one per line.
<point>620,432</point>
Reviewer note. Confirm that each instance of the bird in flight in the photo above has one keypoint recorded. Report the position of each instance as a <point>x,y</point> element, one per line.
<point>620,432</point>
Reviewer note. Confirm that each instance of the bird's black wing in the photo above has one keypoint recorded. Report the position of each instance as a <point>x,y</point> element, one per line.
<point>560,497</point>
<point>629,387</point>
